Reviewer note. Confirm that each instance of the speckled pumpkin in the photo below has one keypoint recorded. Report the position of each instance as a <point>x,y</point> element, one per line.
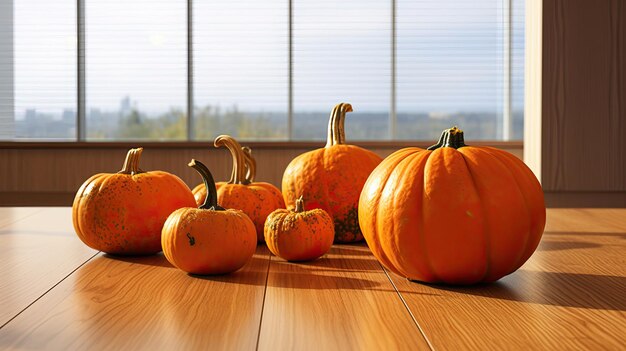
<point>255,199</point>
<point>299,235</point>
<point>331,178</point>
<point>208,239</point>
<point>452,214</point>
<point>123,213</point>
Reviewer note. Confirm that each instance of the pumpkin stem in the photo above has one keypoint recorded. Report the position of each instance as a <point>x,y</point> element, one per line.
<point>299,205</point>
<point>452,137</point>
<point>131,163</point>
<point>250,165</point>
<point>238,175</point>
<point>210,203</point>
<point>336,124</point>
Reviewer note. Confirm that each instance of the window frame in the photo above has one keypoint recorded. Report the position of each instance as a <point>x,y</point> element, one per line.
<point>80,140</point>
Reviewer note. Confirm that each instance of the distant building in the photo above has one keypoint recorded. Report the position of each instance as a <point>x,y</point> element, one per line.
<point>30,115</point>
<point>68,116</point>
<point>126,106</point>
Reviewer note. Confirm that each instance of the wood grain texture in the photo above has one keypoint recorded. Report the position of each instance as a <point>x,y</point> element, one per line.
<point>22,181</point>
<point>10,215</point>
<point>584,95</point>
<point>583,199</point>
<point>342,301</point>
<point>569,295</point>
<point>144,303</point>
<point>37,251</point>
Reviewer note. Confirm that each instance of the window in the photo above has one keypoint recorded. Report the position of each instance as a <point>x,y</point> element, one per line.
<point>341,53</point>
<point>38,70</point>
<point>259,70</point>
<point>452,68</point>
<point>240,66</point>
<point>136,75</point>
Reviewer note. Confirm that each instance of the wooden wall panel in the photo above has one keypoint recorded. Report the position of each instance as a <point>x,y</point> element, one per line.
<point>584,95</point>
<point>36,176</point>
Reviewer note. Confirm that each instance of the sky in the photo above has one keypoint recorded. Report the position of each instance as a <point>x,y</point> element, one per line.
<point>449,54</point>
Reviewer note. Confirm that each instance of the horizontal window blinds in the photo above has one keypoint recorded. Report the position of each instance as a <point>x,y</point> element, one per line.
<point>450,67</point>
<point>241,71</point>
<point>42,70</point>
<point>269,70</point>
<point>341,53</point>
<point>136,69</point>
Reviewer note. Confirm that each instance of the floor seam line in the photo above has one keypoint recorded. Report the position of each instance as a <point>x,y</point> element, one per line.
<point>430,345</point>
<point>267,276</point>
<point>47,291</point>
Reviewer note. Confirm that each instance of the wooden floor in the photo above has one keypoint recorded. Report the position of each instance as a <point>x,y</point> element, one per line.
<point>57,294</point>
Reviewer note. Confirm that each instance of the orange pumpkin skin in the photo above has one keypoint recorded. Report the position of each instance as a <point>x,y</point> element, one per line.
<point>457,214</point>
<point>257,200</point>
<point>209,239</point>
<point>203,242</point>
<point>331,178</point>
<point>123,213</point>
<point>199,192</point>
<point>300,235</point>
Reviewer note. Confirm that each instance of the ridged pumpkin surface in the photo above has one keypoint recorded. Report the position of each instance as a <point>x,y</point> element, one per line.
<point>256,199</point>
<point>299,235</point>
<point>456,215</point>
<point>123,213</point>
<point>331,178</point>
<point>201,241</point>
<point>209,239</point>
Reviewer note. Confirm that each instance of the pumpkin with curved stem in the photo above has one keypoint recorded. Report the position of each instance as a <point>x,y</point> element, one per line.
<point>255,199</point>
<point>453,214</point>
<point>299,235</point>
<point>199,192</point>
<point>331,178</point>
<point>250,164</point>
<point>123,213</point>
<point>208,239</point>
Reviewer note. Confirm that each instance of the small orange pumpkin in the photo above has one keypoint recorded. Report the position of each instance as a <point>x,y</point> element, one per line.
<point>208,239</point>
<point>454,213</point>
<point>299,235</point>
<point>331,178</point>
<point>255,199</point>
<point>123,213</point>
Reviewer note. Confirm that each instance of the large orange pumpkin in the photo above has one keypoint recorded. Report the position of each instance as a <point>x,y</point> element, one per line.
<point>208,239</point>
<point>255,199</point>
<point>123,213</point>
<point>299,235</point>
<point>452,214</point>
<point>331,178</point>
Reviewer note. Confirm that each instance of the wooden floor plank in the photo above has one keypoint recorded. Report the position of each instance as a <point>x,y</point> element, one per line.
<point>343,301</point>
<point>569,295</point>
<point>36,252</point>
<point>144,304</point>
<point>10,215</point>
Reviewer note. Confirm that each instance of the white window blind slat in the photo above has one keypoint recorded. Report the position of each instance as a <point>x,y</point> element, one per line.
<point>449,67</point>
<point>44,71</point>
<point>136,66</point>
<point>341,53</point>
<point>241,69</point>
